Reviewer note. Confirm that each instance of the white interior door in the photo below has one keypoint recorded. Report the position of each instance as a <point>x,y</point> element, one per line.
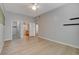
<point>36,29</point>
<point>32,29</point>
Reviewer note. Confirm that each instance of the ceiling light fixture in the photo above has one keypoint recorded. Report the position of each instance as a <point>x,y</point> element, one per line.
<point>35,6</point>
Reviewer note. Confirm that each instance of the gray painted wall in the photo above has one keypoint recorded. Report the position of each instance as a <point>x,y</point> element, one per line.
<point>51,24</point>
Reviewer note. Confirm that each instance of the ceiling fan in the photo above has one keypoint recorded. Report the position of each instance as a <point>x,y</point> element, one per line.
<point>35,6</point>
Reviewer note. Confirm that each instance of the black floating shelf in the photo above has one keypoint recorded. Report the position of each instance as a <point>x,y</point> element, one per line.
<point>74,18</point>
<point>71,24</point>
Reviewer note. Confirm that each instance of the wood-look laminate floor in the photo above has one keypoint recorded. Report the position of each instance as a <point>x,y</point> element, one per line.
<point>36,46</point>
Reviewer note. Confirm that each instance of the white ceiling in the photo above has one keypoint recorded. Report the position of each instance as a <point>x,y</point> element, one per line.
<point>25,8</point>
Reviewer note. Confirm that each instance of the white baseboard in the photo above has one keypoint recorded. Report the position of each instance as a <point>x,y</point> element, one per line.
<point>59,42</point>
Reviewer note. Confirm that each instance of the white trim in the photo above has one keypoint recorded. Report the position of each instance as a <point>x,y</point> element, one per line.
<point>1,37</point>
<point>59,42</point>
<point>11,30</point>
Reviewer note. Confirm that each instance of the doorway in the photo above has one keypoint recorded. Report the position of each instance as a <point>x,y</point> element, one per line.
<point>25,30</point>
<point>30,29</point>
<point>15,30</point>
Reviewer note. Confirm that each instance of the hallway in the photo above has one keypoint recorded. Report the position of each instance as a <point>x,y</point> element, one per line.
<point>36,46</point>
<point>56,22</point>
